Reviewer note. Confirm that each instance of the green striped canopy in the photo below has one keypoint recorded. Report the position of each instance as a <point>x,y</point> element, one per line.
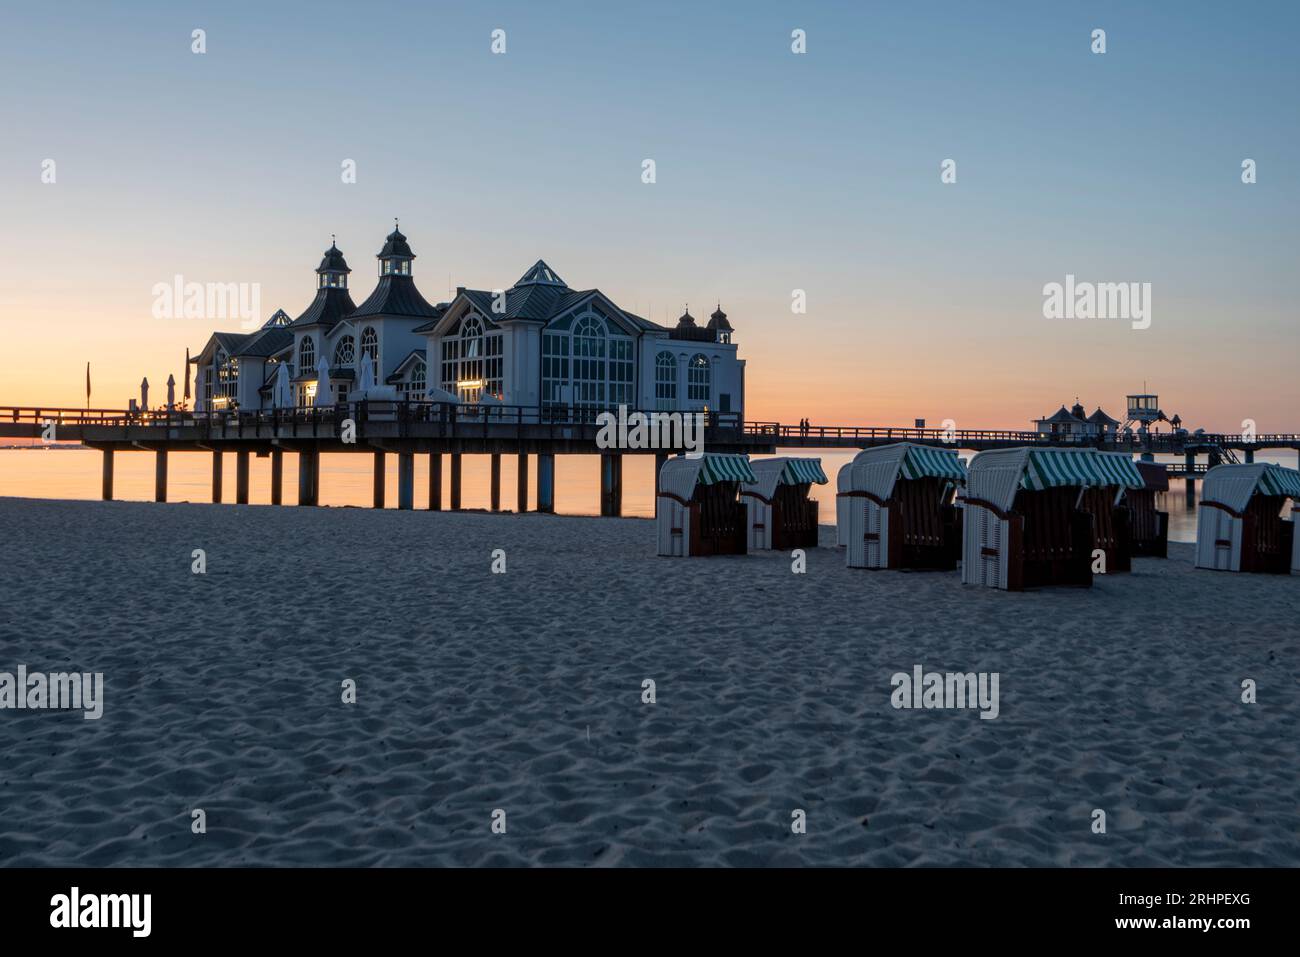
<point>1053,468</point>
<point>799,471</point>
<point>723,467</point>
<point>924,462</point>
<point>1278,480</point>
<point>1121,468</point>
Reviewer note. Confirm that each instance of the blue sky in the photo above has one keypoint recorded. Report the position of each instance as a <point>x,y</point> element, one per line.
<point>775,172</point>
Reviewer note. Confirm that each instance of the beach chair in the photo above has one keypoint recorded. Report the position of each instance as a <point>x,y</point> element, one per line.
<point>780,514</point>
<point>697,510</point>
<point>1240,527</point>
<point>901,512</point>
<point>1148,526</point>
<point>1024,526</point>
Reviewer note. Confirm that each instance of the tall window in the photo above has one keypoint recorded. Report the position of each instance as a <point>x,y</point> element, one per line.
<point>697,378</point>
<point>345,351</point>
<point>469,374</point>
<point>493,362</point>
<point>370,347</point>
<point>665,381</point>
<point>555,368</point>
<point>589,363</point>
<point>306,356</point>
<point>227,376</point>
<point>419,376</point>
<point>620,372</point>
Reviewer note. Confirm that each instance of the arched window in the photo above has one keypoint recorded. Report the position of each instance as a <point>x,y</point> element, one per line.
<point>370,346</point>
<point>665,381</point>
<point>589,362</point>
<point>419,377</point>
<point>227,376</point>
<point>345,351</point>
<point>697,378</point>
<point>306,356</point>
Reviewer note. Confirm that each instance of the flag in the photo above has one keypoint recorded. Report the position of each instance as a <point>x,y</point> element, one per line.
<point>187,375</point>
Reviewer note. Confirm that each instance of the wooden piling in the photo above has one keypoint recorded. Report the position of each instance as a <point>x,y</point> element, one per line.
<point>379,478</point>
<point>611,485</point>
<point>406,480</point>
<point>435,481</point>
<point>521,483</point>
<point>546,482</point>
<point>455,481</point>
<point>216,476</point>
<point>241,478</point>
<point>160,475</point>
<point>108,475</point>
<point>308,477</point>
<point>277,477</point>
<point>496,481</point>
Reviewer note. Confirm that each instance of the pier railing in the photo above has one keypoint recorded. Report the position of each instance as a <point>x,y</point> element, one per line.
<point>403,419</point>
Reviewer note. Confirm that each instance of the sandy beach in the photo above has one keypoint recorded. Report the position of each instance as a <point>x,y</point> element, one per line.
<point>523,692</point>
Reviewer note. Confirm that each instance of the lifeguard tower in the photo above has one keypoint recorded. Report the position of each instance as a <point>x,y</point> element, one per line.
<point>1143,409</point>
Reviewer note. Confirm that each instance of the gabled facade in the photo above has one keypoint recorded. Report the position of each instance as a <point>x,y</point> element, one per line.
<point>544,345</point>
<point>538,344</point>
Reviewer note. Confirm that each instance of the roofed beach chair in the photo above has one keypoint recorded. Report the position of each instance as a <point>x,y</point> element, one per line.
<point>843,481</point>
<point>1240,527</point>
<point>1112,532</point>
<point>901,512</point>
<point>779,513</point>
<point>1148,527</point>
<point>698,510</point>
<point>1024,526</point>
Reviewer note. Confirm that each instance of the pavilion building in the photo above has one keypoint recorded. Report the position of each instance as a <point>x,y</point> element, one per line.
<point>538,344</point>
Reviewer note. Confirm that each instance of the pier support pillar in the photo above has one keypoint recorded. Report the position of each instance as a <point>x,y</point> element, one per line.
<point>611,485</point>
<point>308,477</point>
<point>406,480</point>
<point>455,481</point>
<point>521,484</point>
<point>496,481</point>
<point>379,478</point>
<point>1250,456</point>
<point>241,478</point>
<point>160,475</point>
<point>435,481</point>
<point>545,482</point>
<point>108,475</point>
<point>660,459</point>
<point>277,477</point>
<point>216,477</point>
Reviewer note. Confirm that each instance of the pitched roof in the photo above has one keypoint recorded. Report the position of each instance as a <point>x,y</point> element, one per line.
<point>267,341</point>
<point>396,296</point>
<point>400,371</point>
<point>1102,418</point>
<point>541,273</point>
<point>330,305</point>
<point>1061,415</point>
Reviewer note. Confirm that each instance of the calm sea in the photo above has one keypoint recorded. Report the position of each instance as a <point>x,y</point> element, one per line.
<point>346,480</point>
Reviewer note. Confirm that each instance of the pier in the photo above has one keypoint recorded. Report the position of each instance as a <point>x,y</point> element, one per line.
<point>448,431</point>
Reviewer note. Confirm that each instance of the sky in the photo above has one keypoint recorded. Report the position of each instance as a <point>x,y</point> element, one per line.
<point>775,172</point>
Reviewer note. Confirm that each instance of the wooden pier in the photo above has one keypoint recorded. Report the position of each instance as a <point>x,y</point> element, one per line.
<point>408,429</point>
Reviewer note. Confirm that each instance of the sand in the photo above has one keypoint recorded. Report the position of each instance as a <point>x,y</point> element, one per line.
<point>523,692</point>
